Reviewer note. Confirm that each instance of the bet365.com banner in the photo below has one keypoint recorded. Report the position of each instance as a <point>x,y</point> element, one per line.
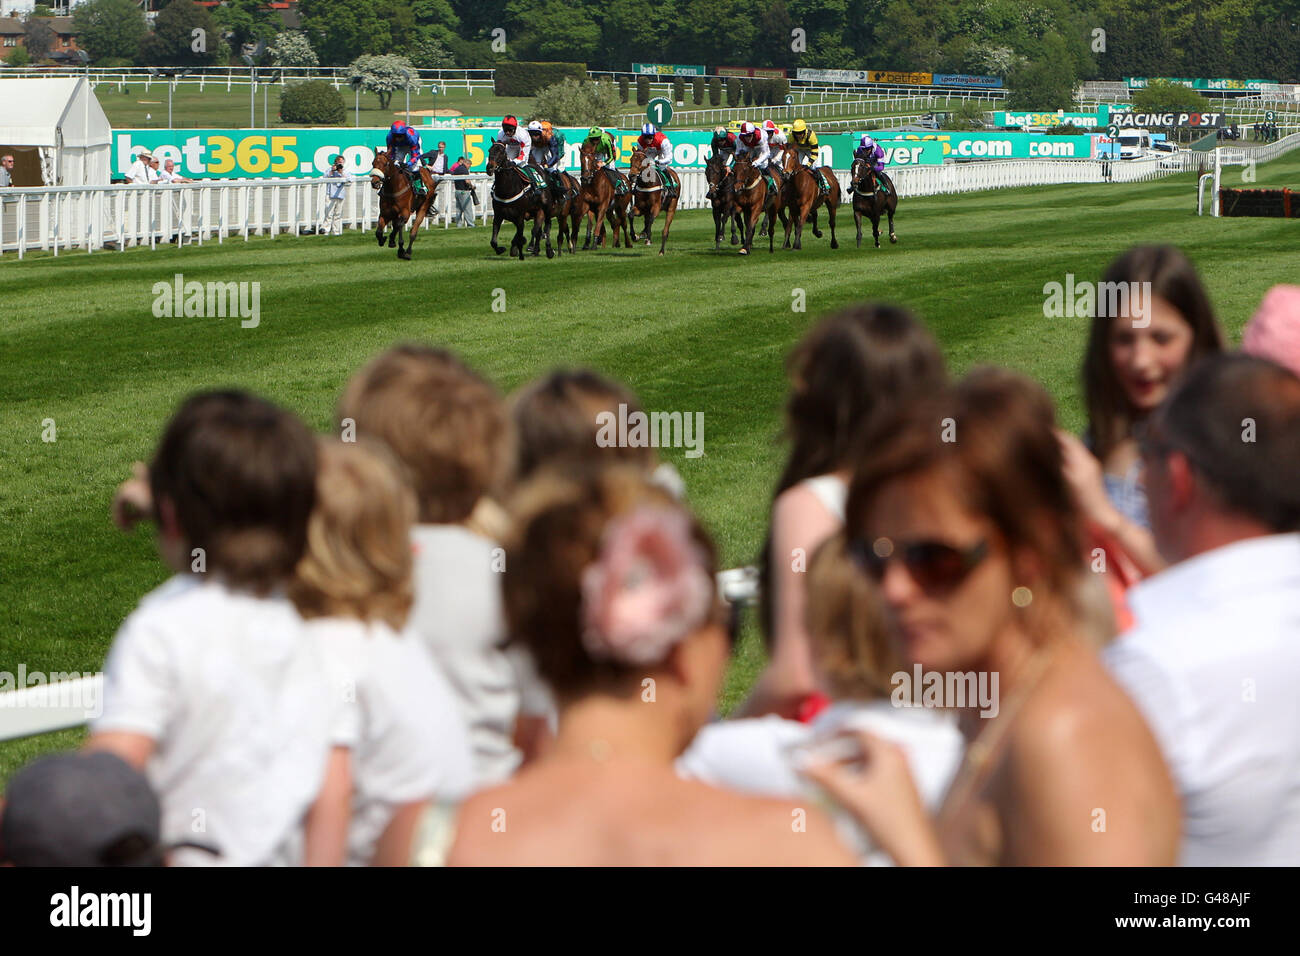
<point>296,153</point>
<point>987,145</point>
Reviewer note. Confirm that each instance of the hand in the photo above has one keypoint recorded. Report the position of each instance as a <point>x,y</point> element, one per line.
<point>878,790</point>
<point>133,500</point>
<point>1083,473</point>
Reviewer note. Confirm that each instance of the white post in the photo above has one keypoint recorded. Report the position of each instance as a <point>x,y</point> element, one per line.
<point>1214,195</point>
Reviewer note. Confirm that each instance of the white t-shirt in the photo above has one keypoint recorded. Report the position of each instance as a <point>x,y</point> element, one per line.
<point>163,176</point>
<point>140,172</point>
<point>458,614</point>
<point>237,698</point>
<point>758,755</point>
<point>400,720</point>
<point>1213,663</point>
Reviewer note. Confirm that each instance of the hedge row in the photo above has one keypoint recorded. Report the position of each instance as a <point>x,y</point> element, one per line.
<point>526,79</point>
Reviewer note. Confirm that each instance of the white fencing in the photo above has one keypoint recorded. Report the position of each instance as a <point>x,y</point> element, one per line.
<point>231,77</point>
<point>61,219</point>
<point>857,106</point>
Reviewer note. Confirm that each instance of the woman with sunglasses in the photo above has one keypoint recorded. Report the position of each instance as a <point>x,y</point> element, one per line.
<point>609,583</point>
<point>965,523</point>
<point>1143,337</point>
<point>850,373</point>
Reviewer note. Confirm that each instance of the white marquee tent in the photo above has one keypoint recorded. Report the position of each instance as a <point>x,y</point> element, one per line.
<point>63,122</point>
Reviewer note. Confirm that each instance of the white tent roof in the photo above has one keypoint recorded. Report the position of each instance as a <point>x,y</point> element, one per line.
<point>35,108</point>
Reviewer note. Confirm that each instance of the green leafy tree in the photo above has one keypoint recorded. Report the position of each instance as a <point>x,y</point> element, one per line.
<point>733,91</point>
<point>109,28</point>
<point>382,75</point>
<point>554,29</point>
<point>1204,52</point>
<point>341,30</point>
<point>715,91</point>
<point>642,90</point>
<point>19,57</point>
<point>173,41</point>
<point>315,101</point>
<point>633,30</point>
<point>247,21</point>
<point>38,36</point>
<point>697,91</point>
<point>429,52</point>
<point>579,103</point>
<point>292,48</point>
<point>1161,96</point>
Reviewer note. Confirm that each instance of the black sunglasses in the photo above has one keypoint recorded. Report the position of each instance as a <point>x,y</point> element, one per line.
<point>936,567</point>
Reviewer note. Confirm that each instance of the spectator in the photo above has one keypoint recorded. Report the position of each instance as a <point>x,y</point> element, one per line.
<point>962,518</point>
<point>1214,659</point>
<point>449,428</point>
<point>609,582</point>
<point>848,376</point>
<point>1141,342</point>
<point>464,195</point>
<point>437,161</point>
<point>168,173</point>
<point>212,686</point>
<point>6,170</point>
<point>1273,332</point>
<point>405,739</point>
<point>82,809</point>
<point>330,217</point>
<point>140,171</point>
<point>855,660</point>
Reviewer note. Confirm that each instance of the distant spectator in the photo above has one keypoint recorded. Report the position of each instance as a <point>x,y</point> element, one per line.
<point>1273,333</point>
<point>464,194</point>
<point>330,217</point>
<point>7,170</point>
<point>212,686</point>
<point>438,162</point>
<point>81,809</point>
<point>168,173</point>
<point>1214,660</point>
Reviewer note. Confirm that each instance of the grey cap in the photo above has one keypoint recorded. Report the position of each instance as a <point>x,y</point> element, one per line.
<point>81,809</point>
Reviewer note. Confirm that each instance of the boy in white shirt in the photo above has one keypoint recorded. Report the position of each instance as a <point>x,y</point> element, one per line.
<point>212,686</point>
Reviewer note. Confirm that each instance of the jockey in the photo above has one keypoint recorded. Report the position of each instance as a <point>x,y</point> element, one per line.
<point>656,145</point>
<point>773,134</point>
<point>516,142</point>
<point>404,149</point>
<point>602,143</point>
<point>547,152</point>
<point>723,144</point>
<point>752,143</point>
<point>870,151</point>
<point>805,147</point>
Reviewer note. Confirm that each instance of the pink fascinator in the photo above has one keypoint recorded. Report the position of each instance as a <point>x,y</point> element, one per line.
<point>647,590</point>
<point>1274,332</point>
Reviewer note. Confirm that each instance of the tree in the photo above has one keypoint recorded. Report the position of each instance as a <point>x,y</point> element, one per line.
<point>315,101</point>
<point>341,30</point>
<point>109,29</point>
<point>291,48</point>
<point>382,75</point>
<point>19,57</point>
<point>1161,96</point>
<point>1042,85</point>
<point>1204,52</point>
<point>715,91</point>
<point>579,103</point>
<point>174,41</point>
<point>429,53</point>
<point>39,36</point>
<point>642,90</point>
<point>247,21</point>
<point>697,91</point>
<point>553,30</point>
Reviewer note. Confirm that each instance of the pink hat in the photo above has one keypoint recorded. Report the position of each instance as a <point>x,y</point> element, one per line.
<point>1273,333</point>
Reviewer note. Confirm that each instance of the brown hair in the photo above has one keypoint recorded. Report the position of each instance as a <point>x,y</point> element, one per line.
<point>555,421</point>
<point>241,475</point>
<point>846,623</point>
<point>559,524</point>
<point>995,434</point>
<point>358,560</point>
<point>443,421</point>
<point>1174,279</point>
<point>849,376</point>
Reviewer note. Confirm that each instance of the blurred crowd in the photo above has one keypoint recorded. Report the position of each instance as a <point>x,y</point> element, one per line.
<point>461,629</point>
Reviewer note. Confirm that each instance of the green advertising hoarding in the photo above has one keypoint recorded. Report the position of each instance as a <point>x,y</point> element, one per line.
<point>1097,120</point>
<point>669,69</point>
<point>991,145</point>
<point>1141,82</point>
<point>296,153</point>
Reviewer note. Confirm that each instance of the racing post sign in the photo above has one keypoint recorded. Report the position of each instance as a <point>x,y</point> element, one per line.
<point>1129,120</point>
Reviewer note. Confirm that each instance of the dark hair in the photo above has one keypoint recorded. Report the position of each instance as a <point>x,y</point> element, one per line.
<point>559,525</point>
<point>241,474</point>
<point>1205,418</point>
<point>555,422</point>
<point>848,377</point>
<point>1174,279</point>
<point>995,434</point>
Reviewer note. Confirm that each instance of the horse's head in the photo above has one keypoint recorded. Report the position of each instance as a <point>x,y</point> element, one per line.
<point>378,169</point>
<point>857,172</point>
<point>789,159</point>
<point>715,174</point>
<point>587,157</point>
<point>636,163</point>
<point>496,158</point>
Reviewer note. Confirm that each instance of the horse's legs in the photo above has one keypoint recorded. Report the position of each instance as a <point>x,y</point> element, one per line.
<point>893,237</point>
<point>875,226</point>
<point>815,231</point>
<point>798,224</point>
<point>830,216</point>
<point>718,228</point>
<point>668,221</point>
<point>379,231</point>
<point>857,220</point>
<point>420,213</point>
<point>497,219</point>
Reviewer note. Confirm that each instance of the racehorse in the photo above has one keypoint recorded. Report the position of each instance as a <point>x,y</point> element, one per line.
<point>516,198</point>
<point>602,199</point>
<point>648,196</point>
<point>754,198</point>
<point>869,198</point>
<point>569,212</point>
<point>803,196</point>
<point>397,201</point>
<point>720,180</point>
